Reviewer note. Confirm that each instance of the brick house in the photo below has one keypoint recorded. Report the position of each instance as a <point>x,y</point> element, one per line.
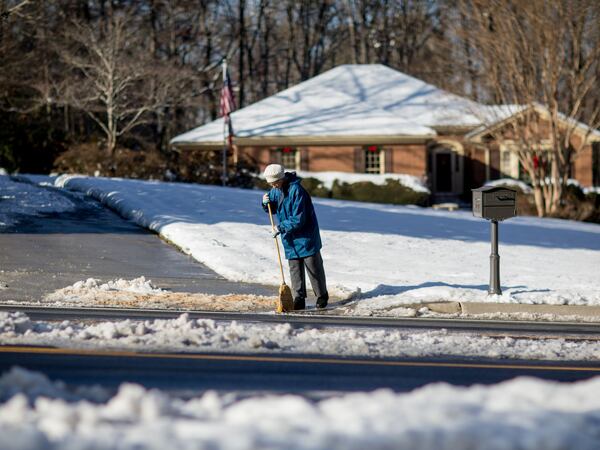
<point>373,119</point>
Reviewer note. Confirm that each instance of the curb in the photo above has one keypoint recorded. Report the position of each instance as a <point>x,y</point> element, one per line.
<point>474,308</point>
<point>512,308</point>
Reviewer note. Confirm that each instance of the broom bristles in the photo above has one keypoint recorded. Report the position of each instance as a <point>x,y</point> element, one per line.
<point>286,300</point>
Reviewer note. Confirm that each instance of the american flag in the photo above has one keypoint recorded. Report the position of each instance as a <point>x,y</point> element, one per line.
<point>227,101</point>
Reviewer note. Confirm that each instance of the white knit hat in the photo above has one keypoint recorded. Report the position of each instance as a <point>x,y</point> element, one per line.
<point>274,172</point>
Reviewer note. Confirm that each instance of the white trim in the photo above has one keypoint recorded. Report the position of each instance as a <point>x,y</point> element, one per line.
<point>512,168</point>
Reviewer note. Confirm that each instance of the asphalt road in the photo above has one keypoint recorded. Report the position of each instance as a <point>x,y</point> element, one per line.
<point>42,253</point>
<point>274,373</point>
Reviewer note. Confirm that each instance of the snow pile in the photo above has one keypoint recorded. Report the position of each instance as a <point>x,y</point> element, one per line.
<point>3,171</point>
<point>384,255</point>
<point>185,334</point>
<point>327,178</point>
<point>31,385</point>
<point>24,199</point>
<point>14,324</point>
<point>140,292</point>
<point>138,285</point>
<point>523,413</point>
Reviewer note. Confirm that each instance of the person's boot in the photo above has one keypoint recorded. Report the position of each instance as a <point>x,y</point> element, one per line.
<point>322,302</point>
<point>299,304</point>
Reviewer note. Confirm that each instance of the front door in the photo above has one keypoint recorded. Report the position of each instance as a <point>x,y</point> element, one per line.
<point>443,172</point>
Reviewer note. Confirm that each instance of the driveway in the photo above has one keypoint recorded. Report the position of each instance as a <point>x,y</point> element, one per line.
<point>42,252</point>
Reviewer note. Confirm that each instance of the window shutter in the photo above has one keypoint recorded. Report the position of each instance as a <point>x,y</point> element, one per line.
<point>388,155</point>
<point>359,160</point>
<point>303,159</point>
<point>495,164</point>
<point>275,156</point>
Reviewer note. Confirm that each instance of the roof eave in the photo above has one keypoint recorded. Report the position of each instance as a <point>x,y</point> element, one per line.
<point>274,141</point>
<point>454,129</point>
<point>478,133</point>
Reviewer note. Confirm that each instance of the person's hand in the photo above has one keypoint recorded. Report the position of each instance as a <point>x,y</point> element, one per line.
<point>266,199</point>
<point>275,233</point>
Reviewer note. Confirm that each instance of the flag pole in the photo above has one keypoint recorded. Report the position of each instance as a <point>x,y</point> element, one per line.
<point>225,137</point>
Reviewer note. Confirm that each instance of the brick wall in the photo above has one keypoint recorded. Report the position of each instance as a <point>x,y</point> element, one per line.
<point>410,158</point>
<point>582,168</point>
<point>337,159</point>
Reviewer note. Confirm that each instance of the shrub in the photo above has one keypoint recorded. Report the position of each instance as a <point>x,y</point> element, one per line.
<point>594,198</point>
<point>189,166</point>
<point>92,159</point>
<point>391,192</point>
<point>315,187</point>
<point>575,206</point>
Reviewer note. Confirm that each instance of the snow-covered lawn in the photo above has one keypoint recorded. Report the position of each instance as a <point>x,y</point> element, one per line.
<point>388,255</point>
<point>204,335</point>
<point>523,413</point>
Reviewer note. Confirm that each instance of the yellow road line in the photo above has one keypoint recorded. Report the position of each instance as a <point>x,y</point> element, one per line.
<point>250,358</point>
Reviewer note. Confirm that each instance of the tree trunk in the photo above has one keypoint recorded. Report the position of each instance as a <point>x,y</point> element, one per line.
<point>540,205</point>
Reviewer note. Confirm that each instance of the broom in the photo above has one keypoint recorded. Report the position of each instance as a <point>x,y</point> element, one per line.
<point>286,302</point>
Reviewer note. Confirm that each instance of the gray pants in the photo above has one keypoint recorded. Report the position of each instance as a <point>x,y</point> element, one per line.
<point>314,266</point>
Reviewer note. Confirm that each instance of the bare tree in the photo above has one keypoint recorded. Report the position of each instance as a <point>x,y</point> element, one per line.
<point>6,12</point>
<point>109,76</point>
<point>312,34</point>
<point>543,58</point>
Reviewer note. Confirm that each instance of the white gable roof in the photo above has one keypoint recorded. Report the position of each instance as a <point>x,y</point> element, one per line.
<point>346,101</point>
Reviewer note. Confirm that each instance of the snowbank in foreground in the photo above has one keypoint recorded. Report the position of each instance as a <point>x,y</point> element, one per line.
<point>391,255</point>
<point>203,335</point>
<point>523,413</point>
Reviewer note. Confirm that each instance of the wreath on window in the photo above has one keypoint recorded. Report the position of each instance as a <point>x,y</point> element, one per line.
<point>373,148</point>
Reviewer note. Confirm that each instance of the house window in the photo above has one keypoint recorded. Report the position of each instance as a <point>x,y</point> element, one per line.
<point>506,164</point>
<point>373,159</point>
<point>289,158</point>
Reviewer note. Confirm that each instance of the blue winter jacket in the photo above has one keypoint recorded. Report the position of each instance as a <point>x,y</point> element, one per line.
<point>297,218</point>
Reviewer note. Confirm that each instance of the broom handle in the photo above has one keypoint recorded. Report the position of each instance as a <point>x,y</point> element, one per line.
<point>276,243</point>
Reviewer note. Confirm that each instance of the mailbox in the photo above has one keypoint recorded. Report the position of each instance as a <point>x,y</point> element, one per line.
<point>494,203</point>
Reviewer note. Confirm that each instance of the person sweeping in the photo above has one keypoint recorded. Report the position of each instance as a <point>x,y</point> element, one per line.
<point>299,232</point>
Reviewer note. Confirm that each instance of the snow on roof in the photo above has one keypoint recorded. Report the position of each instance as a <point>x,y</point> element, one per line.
<point>348,100</point>
<point>493,115</point>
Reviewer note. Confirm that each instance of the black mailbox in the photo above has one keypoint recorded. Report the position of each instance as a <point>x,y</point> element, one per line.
<point>494,203</point>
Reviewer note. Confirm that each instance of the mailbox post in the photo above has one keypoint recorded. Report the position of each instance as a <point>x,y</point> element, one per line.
<point>495,204</point>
